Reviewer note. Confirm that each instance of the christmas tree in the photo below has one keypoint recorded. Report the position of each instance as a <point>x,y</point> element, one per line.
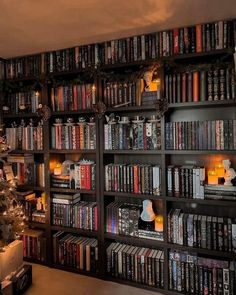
<point>11,211</point>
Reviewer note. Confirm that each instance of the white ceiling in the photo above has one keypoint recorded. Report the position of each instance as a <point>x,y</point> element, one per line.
<point>31,26</point>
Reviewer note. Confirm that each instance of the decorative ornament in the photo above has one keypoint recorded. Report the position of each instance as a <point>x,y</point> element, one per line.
<point>230,173</point>
<point>161,106</point>
<point>44,111</point>
<point>100,109</point>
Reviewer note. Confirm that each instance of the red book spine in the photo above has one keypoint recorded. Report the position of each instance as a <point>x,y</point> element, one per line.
<point>195,86</point>
<point>88,176</point>
<point>82,177</point>
<point>176,41</point>
<point>75,98</point>
<point>60,99</point>
<point>136,190</point>
<point>199,38</point>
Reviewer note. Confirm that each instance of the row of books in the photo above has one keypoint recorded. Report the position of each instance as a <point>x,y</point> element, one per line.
<point>200,85</point>
<point>34,244</point>
<point>201,231</point>
<point>27,66</point>
<point>137,264</point>
<point>185,181</point>
<point>26,170</point>
<point>122,218</point>
<point>29,137</point>
<point>78,252</point>
<point>23,101</point>
<point>201,135</point>
<point>126,92</point>
<point>133,178</point>
<point>136,136</point>
<point>73,136</point>
<point>192,274</point>
<point>74,213</point>
<point>199,38</point>
<point>81,175</point>
<point>73,97</point>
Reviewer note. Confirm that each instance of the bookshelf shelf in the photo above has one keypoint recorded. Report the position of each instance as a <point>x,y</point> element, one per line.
<point>197,152</point>
<point>27,152</point>
<point>72,151</point>
<point>71,113</point>
<point>136,241</point>
<point>83,232</point>
<point>32,260</point>
<point>68,190</point>
<point>201,104</point>
<point>204,202</point>
<point>131,109</point>
<point>37,224</point>
<point>23,115</point>
<point>229,255</point>
<point>140,196</point>
<point>31,187</point>
<point>133,152</point>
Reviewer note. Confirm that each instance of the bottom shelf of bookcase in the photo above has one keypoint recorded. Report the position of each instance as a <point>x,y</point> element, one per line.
<point>138,285</point>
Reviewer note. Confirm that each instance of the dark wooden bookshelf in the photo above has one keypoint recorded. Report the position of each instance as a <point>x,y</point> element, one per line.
<point>31,187</point>
<point>210,110</point>
<point>33,260</point>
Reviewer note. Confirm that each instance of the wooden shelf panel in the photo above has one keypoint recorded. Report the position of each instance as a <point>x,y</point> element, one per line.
<point>140,196</point>
<point>133,152</point>
<point>229,255</point>
<point>202,201</point>
<point>27,152</point>
<point>202,104</point>
<point>15,116</point>
<point>67,113</point>
<point>52,151</point>
<point>37,224</point>
<point>73,230</point>
<point>131,109</point>
<point>135,241</point>
<point>198,152</point>
<point>68,190</point>
<point>31,187</point>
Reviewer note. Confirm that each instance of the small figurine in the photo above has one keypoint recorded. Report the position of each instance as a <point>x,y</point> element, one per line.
<point>149,85</point>
<point>147,217</point>
<point>230,173</point>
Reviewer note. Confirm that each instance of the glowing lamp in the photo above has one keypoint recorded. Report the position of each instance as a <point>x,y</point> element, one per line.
<point>212,177</point>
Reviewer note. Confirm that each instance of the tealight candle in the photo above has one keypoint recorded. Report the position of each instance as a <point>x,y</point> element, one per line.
<point>159,223</point>
<point>212,177</point>
<point>57,169</point>
<point>219,168</point>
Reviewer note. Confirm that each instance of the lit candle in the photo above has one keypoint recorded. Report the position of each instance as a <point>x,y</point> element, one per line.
<point>212,177</point>
<point>159,223</point>
<point>57,169</point>
<point>219,168</point>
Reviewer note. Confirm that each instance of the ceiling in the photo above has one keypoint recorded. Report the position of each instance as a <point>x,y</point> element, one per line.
<point>28,26</point>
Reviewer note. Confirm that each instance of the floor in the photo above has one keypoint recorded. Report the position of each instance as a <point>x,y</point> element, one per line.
<point>52,281</point>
